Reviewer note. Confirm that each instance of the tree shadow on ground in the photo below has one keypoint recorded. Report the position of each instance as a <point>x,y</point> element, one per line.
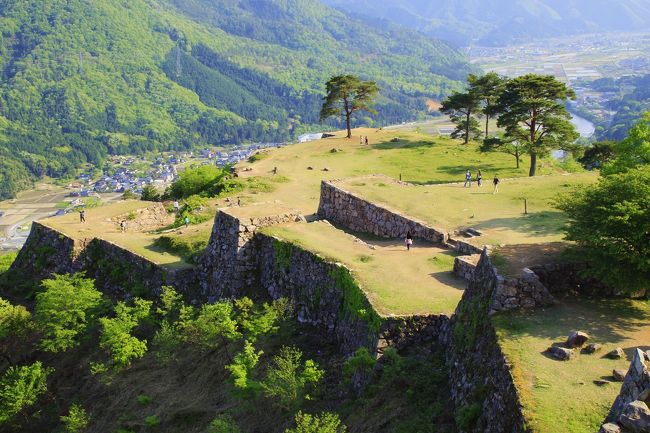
<point>607,321</point>
<point>450,279</point>
<point>533,224</point>
<point>402,144</point>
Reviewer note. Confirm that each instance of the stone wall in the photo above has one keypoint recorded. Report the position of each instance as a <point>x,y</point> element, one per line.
<point>464,247</point>
<point>345,208</point>
<point>480,376</point>
<point>228,266</point>
<point>630,407</point>
<point>118,272</point>
<point>464,266</point>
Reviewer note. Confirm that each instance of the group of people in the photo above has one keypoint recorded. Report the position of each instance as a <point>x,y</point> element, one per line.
<point>363,140</point>
<point>479,180</point>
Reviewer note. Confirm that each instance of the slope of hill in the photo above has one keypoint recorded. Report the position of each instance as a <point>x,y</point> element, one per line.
<point>497,22</point>
<point>83,79</point>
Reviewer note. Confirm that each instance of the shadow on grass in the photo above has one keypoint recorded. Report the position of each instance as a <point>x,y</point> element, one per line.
<point>402,144</point>
<point>450,279</point>
<point>538,223</point>
<point>608,321</point>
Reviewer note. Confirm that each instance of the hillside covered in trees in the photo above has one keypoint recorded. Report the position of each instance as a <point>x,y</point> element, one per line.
<point>499,22</point>
<point>84,79</point>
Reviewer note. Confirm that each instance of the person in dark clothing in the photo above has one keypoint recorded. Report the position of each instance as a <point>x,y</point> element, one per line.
<point>496,182</point>
<point>82,216</point>
<point>409,240</point>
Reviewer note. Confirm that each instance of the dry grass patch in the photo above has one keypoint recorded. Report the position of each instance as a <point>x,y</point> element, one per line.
<point>396,281</point>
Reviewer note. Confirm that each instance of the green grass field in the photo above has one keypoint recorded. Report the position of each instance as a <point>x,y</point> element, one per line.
<point>563,393</point>
<point>396,281</point>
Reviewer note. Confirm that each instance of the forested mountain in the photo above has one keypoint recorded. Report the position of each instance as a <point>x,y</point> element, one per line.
<point>498,22</point>
<point>81,79</point>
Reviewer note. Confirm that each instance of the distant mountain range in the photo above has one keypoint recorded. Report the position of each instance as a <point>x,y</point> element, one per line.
<point>81,79</point>
<point>499,22</point>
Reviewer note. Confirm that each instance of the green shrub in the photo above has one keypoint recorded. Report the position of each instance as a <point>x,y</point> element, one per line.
<point>214,325</point>
<point>323,423</point>
<point>65,309</point>
<point>256,321</point>
<point>223,424</point>
<point>360,362</point>
<point>20,387</point>
<point>144,400</point>
<point>116,332</point>
<point>6,261</point>
<point>151,421</point>
<point>242,369</point>
<point>206,180</point>
<point>77,419</point>
<point>467,416</point>
<point>15,321</point>
<point>288,378</point>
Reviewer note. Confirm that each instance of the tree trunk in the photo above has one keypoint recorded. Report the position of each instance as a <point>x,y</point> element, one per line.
<point>467,127</point>
<point>487,125</point>
<point>348,117</point>
<point>533,164</point>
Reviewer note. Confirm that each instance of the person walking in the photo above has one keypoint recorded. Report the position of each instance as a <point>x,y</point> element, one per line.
<point>479,178</point>
<point>468,179</point>
<point>409,240</point>
<point>361,140</point>
<point>176,207</point>
<point>366,140</point>
<point>496,182</point>
<point>123,226</point>
<point>187,222</point>
<point>82,216</point>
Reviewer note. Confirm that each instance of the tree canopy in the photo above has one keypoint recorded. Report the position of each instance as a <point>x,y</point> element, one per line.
<point>461,107</point>
<point>346,95</point>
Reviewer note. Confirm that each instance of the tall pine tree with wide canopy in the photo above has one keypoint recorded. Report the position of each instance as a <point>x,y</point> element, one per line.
<point>347,94</point>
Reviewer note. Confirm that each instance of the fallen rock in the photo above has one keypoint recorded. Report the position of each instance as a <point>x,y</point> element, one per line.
<point>561,353</point>
<point>636,417</point>
<point>602,382</point>
<point>576,339</point>
<point>326,169</point>
<point>334,150</point>
<point>616,353</point>
<point>619,374</point>
<point>610,428</point>
<point>592,348</point>
<point>310,168</point>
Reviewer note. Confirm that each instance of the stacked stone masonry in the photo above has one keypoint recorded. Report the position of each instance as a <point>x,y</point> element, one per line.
<point>344,208</point>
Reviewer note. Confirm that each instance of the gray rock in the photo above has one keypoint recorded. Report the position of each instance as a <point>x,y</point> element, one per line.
<point>576,339</point>
<point>561,353</point>
<point>619,374</point>
<point>592,348</point>
<point>610,428</point>
<point>636,417</point>
<point>616,353</point>
<point>602,382</point>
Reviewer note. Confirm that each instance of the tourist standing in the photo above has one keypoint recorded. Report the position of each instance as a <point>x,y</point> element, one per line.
<point>468,179</point>
<point>176,207</point>
<point>409,240</point>
<point>496,182</point>
<point>82,216</point>
<point>187,222</point>
<point>366,140</point>
<point>479,178</point>
<point>123,226</point>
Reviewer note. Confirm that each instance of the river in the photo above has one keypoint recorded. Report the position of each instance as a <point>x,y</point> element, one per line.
<point>584,127</point>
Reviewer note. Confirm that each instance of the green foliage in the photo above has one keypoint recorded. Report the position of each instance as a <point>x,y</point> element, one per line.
<point>283,253</point>
<point>144,400</point>
<point>241,371</point>
<point>6,260</point>
<point>15,321</point>
<point>532,112</point>
<point>212,326</point>
<point>610,223</point>
<point>633,151</point>
<point>360,362</point>
<point>288,378</point>
<point>65,309</point>
<point>77,419</point>
<point>189,248</point>
<point>255,321</point>
<point>324,423</point>
<point>355,304</point>
<point>346,95</point>
<point>20,387</point>
<point>205,181</point>
<point>597,154</point>
<point>223,424</point>
<point>129,195</point>
<point>150,193</point>
<point>116,332</point>
<point>461,107</point>
<point>151,421</point>
<point>467,416</point>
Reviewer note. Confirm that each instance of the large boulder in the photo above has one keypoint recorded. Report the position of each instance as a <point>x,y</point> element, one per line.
<point>576,339</point>
<point>636,417</point>
<point>561,353</point>
<point>592,348</point>
<point>619,374</point>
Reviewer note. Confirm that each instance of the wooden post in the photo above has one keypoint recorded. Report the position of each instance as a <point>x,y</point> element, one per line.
<point>526,206</point>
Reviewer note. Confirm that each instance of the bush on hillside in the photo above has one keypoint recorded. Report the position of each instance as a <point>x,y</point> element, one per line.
<point>65,309</point>
<point>323,423</point>
<point>206,181</point>
<point>20,387</point>
<point>116,336</point>
<point>610,223</point>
